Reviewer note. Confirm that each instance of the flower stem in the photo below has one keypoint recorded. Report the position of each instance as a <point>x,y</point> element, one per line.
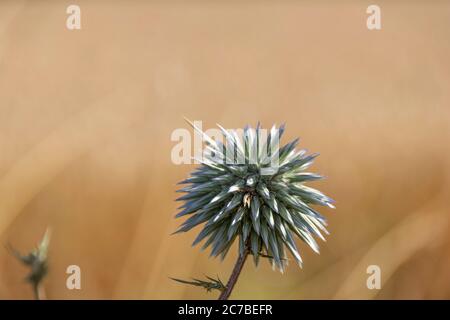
<point>38,291</point>
<point>234,275</point>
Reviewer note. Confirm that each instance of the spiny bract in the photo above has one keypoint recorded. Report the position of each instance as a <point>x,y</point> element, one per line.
<point>264,208</point>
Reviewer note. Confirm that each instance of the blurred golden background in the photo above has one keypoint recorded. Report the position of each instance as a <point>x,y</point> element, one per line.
<point>86,118</point>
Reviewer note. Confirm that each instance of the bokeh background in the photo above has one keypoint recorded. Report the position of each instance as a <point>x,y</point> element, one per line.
<point>86,119</point>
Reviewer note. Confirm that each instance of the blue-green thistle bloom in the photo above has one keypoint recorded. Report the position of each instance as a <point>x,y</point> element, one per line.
<point>238,192</point>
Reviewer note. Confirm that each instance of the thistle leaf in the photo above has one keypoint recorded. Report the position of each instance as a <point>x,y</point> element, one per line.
<point>213,284</point>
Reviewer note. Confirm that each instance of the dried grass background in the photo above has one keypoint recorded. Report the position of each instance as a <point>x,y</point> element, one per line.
<point>86,118</point>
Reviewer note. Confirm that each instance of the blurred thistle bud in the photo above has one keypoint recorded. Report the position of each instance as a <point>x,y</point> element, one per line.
<point>36,260</point>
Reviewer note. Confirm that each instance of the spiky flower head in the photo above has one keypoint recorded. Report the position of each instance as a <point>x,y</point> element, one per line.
<point>249,188</point>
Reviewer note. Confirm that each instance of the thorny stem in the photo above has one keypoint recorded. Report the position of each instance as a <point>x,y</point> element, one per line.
<point>234,275</point>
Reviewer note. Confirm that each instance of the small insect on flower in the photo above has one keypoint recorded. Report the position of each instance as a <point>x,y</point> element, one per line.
<point>249,188</point>
<point>247,200</point>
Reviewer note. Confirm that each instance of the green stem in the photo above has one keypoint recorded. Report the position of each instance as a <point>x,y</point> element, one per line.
<point>36,293</point>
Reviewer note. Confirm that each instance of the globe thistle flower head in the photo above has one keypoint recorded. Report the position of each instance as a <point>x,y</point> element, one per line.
<point>248,188</point>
